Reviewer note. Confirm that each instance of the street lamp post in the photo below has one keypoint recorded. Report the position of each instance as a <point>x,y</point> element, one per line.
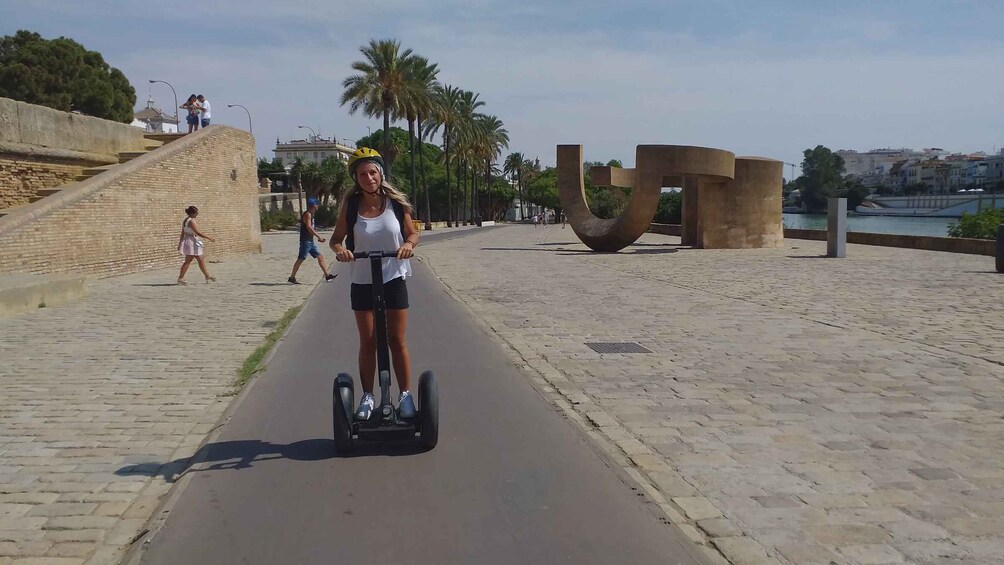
<point>176,125</point>
<point>251,131</point>
<point>314,143</point>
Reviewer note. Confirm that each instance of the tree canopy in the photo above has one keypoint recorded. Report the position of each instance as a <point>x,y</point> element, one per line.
<point>62,74</point>
<point>822,177</point>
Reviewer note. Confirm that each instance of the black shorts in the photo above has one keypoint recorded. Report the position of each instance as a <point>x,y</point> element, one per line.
<point>395,295</point>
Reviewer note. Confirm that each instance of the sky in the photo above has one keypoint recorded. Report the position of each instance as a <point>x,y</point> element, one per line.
<point>766,78</point>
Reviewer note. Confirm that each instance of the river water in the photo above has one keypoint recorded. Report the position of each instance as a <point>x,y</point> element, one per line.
<point>905,225</point>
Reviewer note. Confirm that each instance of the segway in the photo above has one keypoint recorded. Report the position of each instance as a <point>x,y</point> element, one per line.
<point>384,422</point>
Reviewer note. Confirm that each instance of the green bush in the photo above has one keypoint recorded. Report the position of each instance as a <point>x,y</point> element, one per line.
<point>981,225</point>
<point>668,211</point>
<point>326,215</point>
<point>277,219</point>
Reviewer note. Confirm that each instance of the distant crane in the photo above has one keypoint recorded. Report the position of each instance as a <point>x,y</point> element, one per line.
<point>792,165</point>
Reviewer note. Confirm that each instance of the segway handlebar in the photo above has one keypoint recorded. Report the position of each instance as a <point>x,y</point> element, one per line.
<point>373,254</point>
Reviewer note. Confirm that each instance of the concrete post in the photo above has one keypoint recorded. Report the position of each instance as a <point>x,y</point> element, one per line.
<point>1000,248</point>
<point>836,227</point>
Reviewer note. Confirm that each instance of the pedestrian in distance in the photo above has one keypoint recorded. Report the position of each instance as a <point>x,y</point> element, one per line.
<point>206,110</point>
<point>375,216</point>
<point>307,246</point>
<point>191,246</point>
<point>194,112</point>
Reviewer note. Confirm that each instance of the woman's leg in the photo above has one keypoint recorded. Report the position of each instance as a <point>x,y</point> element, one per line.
<point>367,348</point>
<point>184,267</point>
<point>202,265</point>
<point>397,324</point>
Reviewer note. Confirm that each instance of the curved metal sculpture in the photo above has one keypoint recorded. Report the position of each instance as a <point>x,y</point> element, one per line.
<point>732,186</point>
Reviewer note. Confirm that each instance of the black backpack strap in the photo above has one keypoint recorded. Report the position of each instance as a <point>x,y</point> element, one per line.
<point>351,215</point>
<point>399,212</point>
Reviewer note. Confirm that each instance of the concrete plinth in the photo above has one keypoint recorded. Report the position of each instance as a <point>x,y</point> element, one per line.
<point>25,293</point>
<point>836,227</point>
<point>1000,248</point>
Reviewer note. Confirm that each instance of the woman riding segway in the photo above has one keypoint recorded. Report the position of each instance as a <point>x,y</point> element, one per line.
<point>375,216</point>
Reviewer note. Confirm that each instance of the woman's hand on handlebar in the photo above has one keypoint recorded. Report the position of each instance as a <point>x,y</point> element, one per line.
<point>406,251</point>
<point>343,255</point>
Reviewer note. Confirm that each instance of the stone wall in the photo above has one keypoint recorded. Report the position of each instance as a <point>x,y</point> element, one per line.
<point>37,126</point>
<point>929,243</point>
<point>45,148</point>
<point>129,218</point>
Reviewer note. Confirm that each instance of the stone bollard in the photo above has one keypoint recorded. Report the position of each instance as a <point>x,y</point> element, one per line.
<point>836,227</point>
<point>1000,248</point>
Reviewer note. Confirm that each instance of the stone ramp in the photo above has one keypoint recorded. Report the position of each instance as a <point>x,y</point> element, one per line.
<point>153,141</point>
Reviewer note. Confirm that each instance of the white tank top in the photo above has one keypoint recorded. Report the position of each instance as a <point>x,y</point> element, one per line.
<point>382,233</point>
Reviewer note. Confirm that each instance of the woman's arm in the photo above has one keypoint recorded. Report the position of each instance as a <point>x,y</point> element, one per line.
<point>195,229</point>
<point>410,237</point>
<point>342,254</point>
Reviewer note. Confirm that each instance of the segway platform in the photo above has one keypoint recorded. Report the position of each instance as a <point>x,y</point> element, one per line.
<point>384,423</point>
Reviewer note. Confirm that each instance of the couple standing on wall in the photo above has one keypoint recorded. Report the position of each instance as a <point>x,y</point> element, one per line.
<point>199,112</point>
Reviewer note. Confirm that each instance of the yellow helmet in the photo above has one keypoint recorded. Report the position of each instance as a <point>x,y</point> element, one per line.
<point>361,155</point>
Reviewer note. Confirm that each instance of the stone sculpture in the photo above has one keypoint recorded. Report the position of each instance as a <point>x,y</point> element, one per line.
<point>729,202</point>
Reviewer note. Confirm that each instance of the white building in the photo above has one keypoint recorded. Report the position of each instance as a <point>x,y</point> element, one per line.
<point>871,162</point>
<point>154,119</point>
<point>312,150</point>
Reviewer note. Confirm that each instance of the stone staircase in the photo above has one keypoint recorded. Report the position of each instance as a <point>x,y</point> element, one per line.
<point>153,141</point>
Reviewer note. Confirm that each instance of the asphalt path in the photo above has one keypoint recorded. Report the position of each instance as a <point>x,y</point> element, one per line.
<point>511,481</point>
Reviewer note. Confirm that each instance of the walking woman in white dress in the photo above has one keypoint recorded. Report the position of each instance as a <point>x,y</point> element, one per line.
<point>191,246</point>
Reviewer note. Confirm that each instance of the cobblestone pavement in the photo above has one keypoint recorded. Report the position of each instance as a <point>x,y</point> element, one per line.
<point>794,409</point>
<point>139,371</point>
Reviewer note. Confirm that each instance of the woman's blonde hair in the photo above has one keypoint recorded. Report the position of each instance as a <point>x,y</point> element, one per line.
<point>386,190</point>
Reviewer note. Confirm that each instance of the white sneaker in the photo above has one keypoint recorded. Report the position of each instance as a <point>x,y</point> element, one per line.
<point>366,406</point>
<point>406,405</point>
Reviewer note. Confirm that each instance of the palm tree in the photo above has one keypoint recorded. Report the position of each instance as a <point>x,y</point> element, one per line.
<point>492,137</point>
<point>378,88</point>
<point>467,125</point>
<point>513,166</point>
<point>446,114</point>
<point>420,81</point>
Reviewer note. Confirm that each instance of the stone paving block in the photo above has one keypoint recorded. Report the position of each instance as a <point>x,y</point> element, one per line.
<point>808,554</point>
<point>848,534</point>
<point>697,508</point>
<point>64,509</point>
<point>872,554</point>
<point>25,548</point>
<point>48,561</point>
<point>719,528</point>
<point>743,551</point>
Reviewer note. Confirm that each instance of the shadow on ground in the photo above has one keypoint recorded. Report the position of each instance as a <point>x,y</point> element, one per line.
<point>242,454</point>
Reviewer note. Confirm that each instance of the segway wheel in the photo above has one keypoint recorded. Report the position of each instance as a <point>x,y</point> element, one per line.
<point>341,401</point>
<point>428,410</point>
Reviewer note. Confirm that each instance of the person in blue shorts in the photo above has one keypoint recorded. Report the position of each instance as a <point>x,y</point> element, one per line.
<point>307,246</point>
